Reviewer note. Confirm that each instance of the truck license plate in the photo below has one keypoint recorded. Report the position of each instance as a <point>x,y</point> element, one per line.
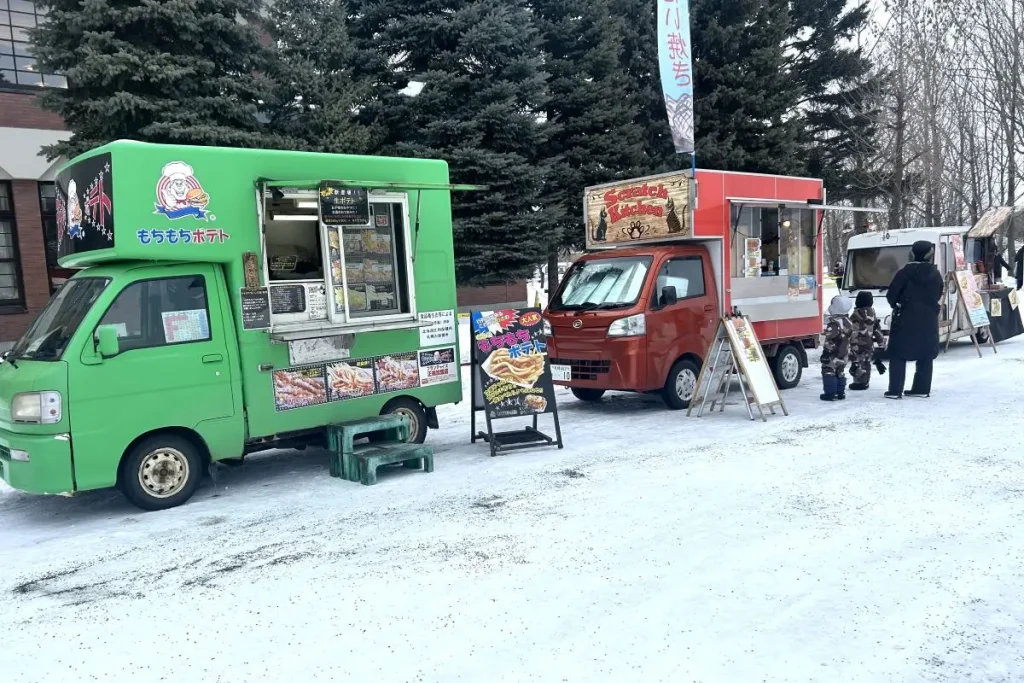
<point>561,373</point>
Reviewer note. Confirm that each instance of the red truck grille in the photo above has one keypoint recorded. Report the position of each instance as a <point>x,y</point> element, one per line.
<point>585,369</point>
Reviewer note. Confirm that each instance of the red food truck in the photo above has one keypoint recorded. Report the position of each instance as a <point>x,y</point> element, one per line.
<point>666,255</point>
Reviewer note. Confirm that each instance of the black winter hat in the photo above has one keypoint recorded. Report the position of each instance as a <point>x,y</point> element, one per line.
<point>922,250</point>
<point>865,300</point>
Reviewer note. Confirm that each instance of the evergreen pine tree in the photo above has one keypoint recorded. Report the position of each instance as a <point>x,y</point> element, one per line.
<point>745,97</point>
<point>482,91</point>
<point>315,96</point>
<point>639,63</point>
<point>593,134</point>
<point>173,72</point>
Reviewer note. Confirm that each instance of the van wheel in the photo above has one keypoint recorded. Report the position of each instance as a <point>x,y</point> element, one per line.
<point>680,384</point>
<point>413,411</point>
<point>982,336</point>
<point>788,367</point>
<point>588,395</point>
<point>161,472</point>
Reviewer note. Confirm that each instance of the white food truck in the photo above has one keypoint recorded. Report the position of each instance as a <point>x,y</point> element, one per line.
<point>873,258</point>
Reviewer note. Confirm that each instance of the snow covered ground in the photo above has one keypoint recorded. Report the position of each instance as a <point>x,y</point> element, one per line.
<point>866,541</point>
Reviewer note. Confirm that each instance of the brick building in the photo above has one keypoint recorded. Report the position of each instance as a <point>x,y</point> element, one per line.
<point>28,238</point>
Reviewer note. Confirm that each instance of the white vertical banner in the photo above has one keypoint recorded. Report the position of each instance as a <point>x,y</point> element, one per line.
<point>676,67</point>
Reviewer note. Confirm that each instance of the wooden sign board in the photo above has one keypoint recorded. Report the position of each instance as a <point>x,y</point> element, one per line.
<point>652,209</point>
<point>736,353</point>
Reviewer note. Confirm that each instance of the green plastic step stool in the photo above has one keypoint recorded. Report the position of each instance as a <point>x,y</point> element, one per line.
<point>341,438</point>
<point>411,455</point>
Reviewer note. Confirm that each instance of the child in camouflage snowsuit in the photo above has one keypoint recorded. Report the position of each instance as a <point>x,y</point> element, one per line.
<point>836,350</point>
<point>865,338</point>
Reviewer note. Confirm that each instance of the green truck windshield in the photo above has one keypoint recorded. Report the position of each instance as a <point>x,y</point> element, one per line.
<point>58,322</point>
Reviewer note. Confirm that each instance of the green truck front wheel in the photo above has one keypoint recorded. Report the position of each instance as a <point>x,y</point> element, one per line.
<point>161,472</point>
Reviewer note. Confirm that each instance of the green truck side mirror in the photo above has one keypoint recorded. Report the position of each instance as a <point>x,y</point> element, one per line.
<point>107,342</point>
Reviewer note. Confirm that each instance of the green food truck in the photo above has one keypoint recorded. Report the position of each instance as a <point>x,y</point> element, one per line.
<point>230,301</point>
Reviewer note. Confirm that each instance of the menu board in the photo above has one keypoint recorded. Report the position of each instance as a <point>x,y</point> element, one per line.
<point>340,380</point>
<point>751,360</point>
<point>974,305</point>
<point>287,299</point>
<point>316,300</point>
<point>255,308</point>
<point>370,266</point>
<point>344,205</point>
<point>510,356</point>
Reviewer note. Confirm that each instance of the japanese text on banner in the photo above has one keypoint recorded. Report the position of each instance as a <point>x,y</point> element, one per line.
<point>676,68</point>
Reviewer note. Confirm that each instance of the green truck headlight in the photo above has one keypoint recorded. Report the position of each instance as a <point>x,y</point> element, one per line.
<point>37,407</point>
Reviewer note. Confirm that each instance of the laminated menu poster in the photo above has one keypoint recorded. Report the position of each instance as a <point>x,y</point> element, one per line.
<point>341,205</point>
<point>397,371</point>
<point>974,305</point>
<point>185,326</point>
<point>351,379</point>
<point>438,366</point>
<point>510,355</point>
<point>342,380</point>
<point>299,387</point>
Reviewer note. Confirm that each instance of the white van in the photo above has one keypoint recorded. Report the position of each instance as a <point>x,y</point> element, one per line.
<point>873,258</point>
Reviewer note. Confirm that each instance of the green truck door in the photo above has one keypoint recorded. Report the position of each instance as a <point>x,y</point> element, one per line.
<point>173,368</point>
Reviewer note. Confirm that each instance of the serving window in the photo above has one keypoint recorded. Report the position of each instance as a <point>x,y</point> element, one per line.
<point>771,242</point>
<point>337,274</point>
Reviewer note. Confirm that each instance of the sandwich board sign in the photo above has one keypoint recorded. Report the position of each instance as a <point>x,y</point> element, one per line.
<point>735,353</point>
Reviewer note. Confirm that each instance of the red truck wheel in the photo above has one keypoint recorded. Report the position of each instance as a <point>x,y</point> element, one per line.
<point>680,384</point>
<point>788,367</point>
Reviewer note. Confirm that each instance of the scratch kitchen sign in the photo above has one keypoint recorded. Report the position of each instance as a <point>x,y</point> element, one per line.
<point>656,208</point>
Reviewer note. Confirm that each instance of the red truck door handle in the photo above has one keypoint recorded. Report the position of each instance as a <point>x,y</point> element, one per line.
<point>709,308</point>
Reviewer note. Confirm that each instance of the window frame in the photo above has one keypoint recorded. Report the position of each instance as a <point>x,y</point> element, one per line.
<point>206,301</point>
<point>656,294</point>
<point>342,321</point>
<point>34,78</point>
<point>43,215</point>
<point>13,306</point>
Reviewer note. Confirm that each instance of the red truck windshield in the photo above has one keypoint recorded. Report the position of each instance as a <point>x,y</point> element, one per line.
<point>603,283</point>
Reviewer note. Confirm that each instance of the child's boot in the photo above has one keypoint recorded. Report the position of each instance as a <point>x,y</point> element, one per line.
<point>830,385</point>
<point>841,388</point>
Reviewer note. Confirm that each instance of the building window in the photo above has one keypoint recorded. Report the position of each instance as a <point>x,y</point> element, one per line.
<point>17,65</point>
<point>48,214</point>
<point>10,270</point>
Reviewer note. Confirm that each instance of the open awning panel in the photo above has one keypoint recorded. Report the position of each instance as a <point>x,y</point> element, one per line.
<point>799,204</point>
<point>991,222</point>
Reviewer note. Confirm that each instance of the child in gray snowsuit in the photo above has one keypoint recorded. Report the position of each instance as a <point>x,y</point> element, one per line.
<point>864,339</point>
<point>836,350</point>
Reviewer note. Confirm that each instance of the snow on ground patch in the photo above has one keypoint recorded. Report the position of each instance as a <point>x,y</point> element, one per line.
<point>871,540</point>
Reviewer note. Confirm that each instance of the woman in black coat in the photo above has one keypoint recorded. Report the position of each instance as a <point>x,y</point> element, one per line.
<point>914,333</point>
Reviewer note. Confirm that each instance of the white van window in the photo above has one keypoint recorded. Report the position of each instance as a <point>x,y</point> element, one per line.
<point>874,267</point>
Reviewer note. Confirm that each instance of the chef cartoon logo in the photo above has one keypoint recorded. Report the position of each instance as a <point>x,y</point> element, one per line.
<point>179,194</point>
<point>74,213</point>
